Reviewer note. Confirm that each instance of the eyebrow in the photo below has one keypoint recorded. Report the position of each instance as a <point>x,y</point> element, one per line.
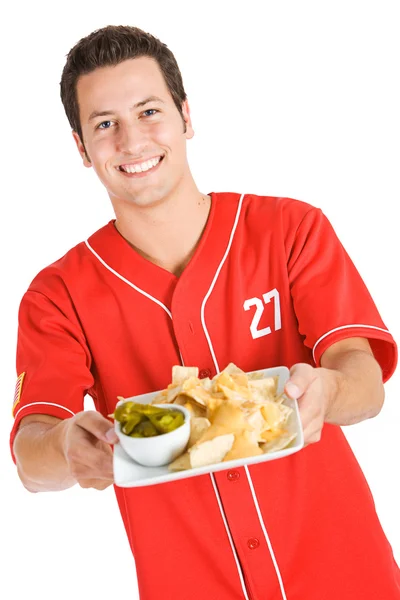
<point>105,113</point>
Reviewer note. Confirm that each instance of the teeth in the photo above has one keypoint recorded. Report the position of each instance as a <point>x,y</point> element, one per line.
<point>139,168</point>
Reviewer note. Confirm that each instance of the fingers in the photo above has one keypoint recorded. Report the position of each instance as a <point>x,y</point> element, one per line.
<point>308,415</point>
<point>87,449</point>
<point>312,433</point>
<point>97,484</point>
<point>90,459</point>
<point>97,425</point>
<point>305,385</point>
<point>301,377</point>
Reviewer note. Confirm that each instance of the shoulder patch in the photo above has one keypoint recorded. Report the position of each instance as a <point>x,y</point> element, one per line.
<point>18,390</point>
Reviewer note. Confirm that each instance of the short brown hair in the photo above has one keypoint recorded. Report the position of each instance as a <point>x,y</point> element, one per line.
<point>110,46</point>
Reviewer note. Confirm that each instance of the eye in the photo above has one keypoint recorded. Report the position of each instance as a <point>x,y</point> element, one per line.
<point>104,125</point>
<point>153,111</point>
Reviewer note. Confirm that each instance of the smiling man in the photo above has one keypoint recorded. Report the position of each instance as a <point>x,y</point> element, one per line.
<point>183,277</point>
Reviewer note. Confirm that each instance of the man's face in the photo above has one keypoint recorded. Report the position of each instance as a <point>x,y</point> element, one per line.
<point>133,133</point>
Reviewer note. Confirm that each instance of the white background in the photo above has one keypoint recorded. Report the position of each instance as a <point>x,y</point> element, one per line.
<point>296,99</point>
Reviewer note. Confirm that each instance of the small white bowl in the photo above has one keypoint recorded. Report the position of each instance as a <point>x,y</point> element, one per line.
<point>157,450</point>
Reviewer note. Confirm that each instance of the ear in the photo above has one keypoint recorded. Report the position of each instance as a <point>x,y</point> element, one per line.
<point>81,149</point>
<point>189,133</point>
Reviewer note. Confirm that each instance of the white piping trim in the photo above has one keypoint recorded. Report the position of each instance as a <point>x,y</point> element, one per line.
<point>127,281</point>
<point>230,538</point>
<point>278,574</point>
<point>41,403</point>
<point>221,264</point>
<point>345,327</point>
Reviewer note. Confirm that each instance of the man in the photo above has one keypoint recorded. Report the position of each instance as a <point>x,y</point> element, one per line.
<point>203,280</point>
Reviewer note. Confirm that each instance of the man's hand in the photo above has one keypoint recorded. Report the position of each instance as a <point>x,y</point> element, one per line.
<point>86,445</point>
<point>313,389</point>
<point>54,454</point>
<point>346,389</point>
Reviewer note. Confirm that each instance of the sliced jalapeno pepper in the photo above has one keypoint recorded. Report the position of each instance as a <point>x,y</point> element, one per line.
<point>146,420</point>
<point>129,423</point>
<point>144,429</point>
<point>123,410</point>
<point>167,420</point>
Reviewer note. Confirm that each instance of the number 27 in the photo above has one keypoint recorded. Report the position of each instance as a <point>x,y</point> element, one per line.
<point>259,304</point>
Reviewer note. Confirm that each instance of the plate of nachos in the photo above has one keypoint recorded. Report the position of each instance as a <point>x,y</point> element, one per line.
<point>236,419</point>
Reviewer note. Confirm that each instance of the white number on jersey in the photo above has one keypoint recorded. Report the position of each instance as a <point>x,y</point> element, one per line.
<point>259,304</point>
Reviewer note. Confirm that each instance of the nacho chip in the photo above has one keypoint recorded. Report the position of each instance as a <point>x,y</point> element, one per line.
<point>227,418</point>
<point>195,409</point>
<point>274,414</point>
<point>263,389</point>
<point>181,374</point>
<point>232,369</point>
<point>212,451</point>
<point>257,422</point>
<point>278,443</point>
<point>198,427</point>
<point>181,463</point>
<point>227,384</point>
<point>194,390</point>
<point>243,447</point>
<point>240,379</point>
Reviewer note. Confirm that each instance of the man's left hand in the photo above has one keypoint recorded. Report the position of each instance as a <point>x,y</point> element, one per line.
<point>313,388</point>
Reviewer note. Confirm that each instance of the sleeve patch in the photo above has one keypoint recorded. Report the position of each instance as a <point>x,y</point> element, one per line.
<point>18,390</point>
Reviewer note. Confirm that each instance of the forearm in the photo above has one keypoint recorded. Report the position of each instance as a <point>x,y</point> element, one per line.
<point>356,389</point>
<point>40,459</point>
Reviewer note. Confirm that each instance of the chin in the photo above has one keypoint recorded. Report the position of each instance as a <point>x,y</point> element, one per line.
<point>146,199</point>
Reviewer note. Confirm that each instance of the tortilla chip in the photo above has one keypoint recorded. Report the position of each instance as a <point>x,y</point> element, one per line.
<point>257,422</point>
<point>181,374</point>
<point>240,379</point>
<point>271,434</point>
<point>274,414</point>
<point>181,463</point>
<point>212,451</point>
<point>196,392</point>
<point>230,416</point>
<point>243,447</point>
<point>198,426</point>
<point>213,405</point>
<point>195,409</point>
<point>239,394</point>
<point>279,443</point>
<point>232,369</point>
<point>227,418</point>
<point>265,388</point>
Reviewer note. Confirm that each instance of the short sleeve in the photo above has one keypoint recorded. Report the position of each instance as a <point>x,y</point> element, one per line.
<point>330,299</point>
<point>53,360</point>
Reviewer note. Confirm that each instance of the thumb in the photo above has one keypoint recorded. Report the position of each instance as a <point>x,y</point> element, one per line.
<point>300,378</point>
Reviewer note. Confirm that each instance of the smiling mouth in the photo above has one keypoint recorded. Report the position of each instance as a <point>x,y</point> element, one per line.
<point>140,169</point>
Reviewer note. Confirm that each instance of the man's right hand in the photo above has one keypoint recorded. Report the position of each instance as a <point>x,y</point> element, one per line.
<point>54,454</point>
<point>87,450</point>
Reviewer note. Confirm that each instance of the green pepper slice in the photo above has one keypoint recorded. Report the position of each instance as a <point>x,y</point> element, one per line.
<point>148,409</point>
<point>129,423</point>
<point>123,410</point>
<point>146,420</point>
<point>144,429</point>
<point>167,421</point>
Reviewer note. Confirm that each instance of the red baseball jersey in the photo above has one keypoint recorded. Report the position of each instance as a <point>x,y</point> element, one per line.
<point>269,284</point>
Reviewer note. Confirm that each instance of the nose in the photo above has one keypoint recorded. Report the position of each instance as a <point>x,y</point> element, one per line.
<point>131,139</point>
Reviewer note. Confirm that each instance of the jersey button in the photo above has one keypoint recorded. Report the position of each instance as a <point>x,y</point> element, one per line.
<point>253,543</point>
<point>204,373</point>
<point>233,475</point>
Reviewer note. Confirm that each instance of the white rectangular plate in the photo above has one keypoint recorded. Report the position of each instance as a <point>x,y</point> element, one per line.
<point>128,473</point>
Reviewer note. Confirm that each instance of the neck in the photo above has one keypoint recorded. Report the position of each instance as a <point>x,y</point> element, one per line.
<point>166,234</point>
